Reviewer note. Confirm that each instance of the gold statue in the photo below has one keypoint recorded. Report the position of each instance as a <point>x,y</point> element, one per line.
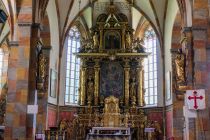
<point>95,41</point>
<point>133,101</point>
<point>133,88</point>
<point>127,115</point>
<point>63,125</point>
<point>180,67</point>
<point>42,65</point>
<point>158,130</point>
<point>128,40</point>
<point>90,90</point>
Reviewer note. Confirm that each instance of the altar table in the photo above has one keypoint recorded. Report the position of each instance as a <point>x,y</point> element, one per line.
<point>109,133</point>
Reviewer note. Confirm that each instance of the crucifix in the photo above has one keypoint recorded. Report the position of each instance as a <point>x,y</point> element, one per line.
<point>195,98</point>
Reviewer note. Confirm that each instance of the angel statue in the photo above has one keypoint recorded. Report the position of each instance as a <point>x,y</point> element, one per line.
<point>138,45</point>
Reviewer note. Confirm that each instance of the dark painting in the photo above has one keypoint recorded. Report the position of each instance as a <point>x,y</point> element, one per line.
<point>112,79</point>
<point>112,40</point>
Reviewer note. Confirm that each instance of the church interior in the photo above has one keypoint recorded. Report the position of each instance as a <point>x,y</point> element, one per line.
<point>104,69</point>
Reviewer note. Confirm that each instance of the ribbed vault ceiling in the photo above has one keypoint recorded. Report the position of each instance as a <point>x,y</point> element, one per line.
<point>155,11</point>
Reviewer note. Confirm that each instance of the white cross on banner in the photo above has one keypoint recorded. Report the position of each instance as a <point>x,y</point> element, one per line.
<point>195,99</point>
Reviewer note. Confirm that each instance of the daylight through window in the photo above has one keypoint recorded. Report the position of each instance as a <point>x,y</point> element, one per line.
<point>72,67</point>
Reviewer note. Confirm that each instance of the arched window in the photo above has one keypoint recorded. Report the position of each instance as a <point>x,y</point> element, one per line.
<point>1,64</point>
<point>72,67</point>
<point>150,68</point>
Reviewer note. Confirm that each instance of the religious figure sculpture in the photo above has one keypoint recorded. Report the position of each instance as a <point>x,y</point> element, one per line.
<point>87,45</point>
<point>138,45</point>
<point>63,125</point>
<point>158,130</point>
<point>180,67</point>
<point>95,41</point>
<point>127,115</point>
<point>90,90</point>
<point>41,69</point>
<point>83,43</point>
<point>128,40</point>
<point>132,88</point>
<point>133,101</point>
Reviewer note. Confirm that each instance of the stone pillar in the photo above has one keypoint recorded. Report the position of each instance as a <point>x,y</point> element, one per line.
<point>127,77</point>
<point>140,90</point>
<point>200,31</point>
<point>17,125</point>
<point>96,80</point>
<point>83,70</point>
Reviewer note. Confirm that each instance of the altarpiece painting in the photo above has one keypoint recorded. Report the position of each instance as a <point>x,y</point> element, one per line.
<point>112,79</point>
<point>112,40</point>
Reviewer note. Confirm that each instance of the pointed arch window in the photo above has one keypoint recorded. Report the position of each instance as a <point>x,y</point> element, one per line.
<point>72,67</point>
<point>1,61</point>
<point>150,68</point>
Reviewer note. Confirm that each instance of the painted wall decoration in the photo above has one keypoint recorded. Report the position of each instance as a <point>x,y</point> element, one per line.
<point>112,79</point>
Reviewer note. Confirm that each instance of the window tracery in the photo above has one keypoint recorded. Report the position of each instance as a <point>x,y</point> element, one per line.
<point>72,67</point>
<point>150,68</point>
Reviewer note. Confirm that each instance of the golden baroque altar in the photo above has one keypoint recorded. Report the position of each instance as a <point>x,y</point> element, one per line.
<point>111,78</point>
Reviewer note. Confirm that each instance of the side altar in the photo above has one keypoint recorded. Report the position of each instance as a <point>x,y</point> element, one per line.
<point>111,80</point>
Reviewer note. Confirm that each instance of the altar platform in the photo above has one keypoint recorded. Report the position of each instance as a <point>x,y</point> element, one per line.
<point>109,133</point>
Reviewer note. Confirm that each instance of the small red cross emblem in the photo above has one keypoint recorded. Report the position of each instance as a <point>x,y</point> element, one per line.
<point>195,97</point>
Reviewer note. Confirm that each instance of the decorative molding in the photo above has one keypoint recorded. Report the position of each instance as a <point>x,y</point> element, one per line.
<point>36,25</point>
<point>52,106</point>
<point>203,28</point>
<point>169,108</point>
<point>13,43</point>
<point>186,29</point>
<point>153,109</point>
<point>24,24</point>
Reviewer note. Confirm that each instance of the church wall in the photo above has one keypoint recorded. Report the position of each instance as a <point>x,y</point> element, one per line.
<point>54,52</point>
<point>168,41</point>
<point>52,116</point>
<point>174,115</point>
<point>63,75</point>
<point>200,38</point>
<point>155,114</point>
<point>159,77</point>
<point>172,6</point>
<point>67,113</point>
<point>169,123</point>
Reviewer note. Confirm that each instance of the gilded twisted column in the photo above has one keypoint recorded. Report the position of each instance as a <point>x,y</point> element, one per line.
<point>96,88</point>
<point>123,37</point>
<point>83,70</point>
<point>140,73</point>
<point>101,38</point>
<point>127,77</point>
